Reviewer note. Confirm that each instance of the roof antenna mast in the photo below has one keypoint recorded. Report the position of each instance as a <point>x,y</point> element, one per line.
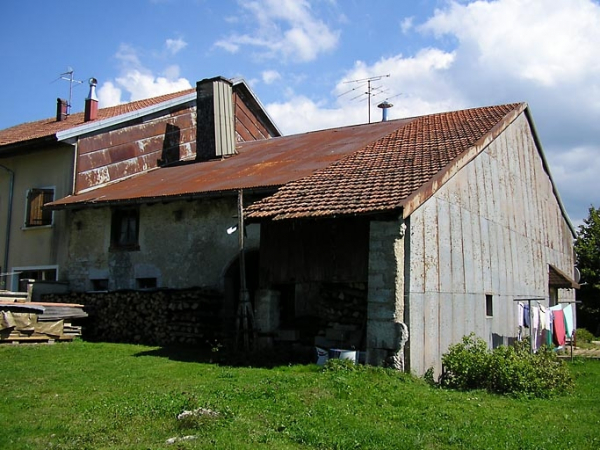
<point>71,80</point>
<point>369,88</point>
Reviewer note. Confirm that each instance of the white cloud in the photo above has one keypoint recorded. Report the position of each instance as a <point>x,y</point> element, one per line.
<point>285,28</point>
<point>136,82</point>
<point>108,95</point>
<point>300,114</point>
<point>416,84</point>
<point>145,85</point>
<point>546,41</point>
<point>174,46</point>
<point>270,76</point>
<point>407,24</point>
<point>127,56</point>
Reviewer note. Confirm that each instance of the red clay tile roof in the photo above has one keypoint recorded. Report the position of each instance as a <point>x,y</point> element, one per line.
<point>380,176</point>
<point>48,128</point>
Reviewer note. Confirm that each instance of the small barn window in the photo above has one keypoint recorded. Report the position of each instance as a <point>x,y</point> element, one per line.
<point>99,284</point>
<point>125,229</point>
<point>146,283</point>
<point>36,199</point>
<point>489,305</point>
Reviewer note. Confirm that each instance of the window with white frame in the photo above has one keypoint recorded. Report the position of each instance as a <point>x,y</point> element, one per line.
<point>35,215</point>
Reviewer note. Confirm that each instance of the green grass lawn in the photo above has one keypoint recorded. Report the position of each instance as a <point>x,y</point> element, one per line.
<point>84,395</point>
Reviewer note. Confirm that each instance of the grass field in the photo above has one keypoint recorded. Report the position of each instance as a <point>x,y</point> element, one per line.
<point>84,395</point>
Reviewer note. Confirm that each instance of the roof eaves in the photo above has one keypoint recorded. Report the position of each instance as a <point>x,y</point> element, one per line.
<point>122,118</point>
<point>30,144</point>
<point>538,145</point>
<point>64,203</point>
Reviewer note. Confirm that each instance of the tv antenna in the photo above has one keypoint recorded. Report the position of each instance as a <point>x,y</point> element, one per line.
<point>68,76</point>
<point>371,90</point>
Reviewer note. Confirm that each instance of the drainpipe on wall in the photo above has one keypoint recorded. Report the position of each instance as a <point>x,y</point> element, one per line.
<point>8,221</point>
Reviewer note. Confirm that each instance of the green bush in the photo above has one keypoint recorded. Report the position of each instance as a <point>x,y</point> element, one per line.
<point>584,335</point>
<point>466,364</point>
<point>512,370</point>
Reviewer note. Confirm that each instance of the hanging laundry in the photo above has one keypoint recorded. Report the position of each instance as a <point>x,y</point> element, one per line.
<point>535,317</point>
<point>526,315</point>
<point>535,323</point>
<point>544,323</point>
<point>558,323</point>
<point>549,328</point>
<point>520,313</point>
<point>568,311</point>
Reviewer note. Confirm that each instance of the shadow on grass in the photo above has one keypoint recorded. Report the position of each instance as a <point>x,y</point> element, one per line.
<point>260,359</point>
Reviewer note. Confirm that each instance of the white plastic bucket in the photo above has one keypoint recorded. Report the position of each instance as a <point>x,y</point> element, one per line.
<point>343,354</point>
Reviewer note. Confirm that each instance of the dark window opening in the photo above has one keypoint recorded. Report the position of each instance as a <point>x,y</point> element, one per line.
<point>146,283</point>
<point>30,276</point>
<point>125,229</point>
<point>36,215</point>
<point>489,305</point>
<point>100,284</point>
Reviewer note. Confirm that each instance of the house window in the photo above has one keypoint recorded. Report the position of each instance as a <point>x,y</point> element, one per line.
<point>489,305</point>
<point>27,275</point>
<point>36,216</point>
<point>146,283</point>
<point>99,284</point>
<point>125,229</point>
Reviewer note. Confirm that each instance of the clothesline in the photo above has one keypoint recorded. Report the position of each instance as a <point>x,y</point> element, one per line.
<point>552,323</point>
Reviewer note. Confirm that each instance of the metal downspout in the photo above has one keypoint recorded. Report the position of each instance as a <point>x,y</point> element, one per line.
<point>8,222</point>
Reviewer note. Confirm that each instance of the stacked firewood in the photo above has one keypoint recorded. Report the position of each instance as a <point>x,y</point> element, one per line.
<point>151,317</point>
<point>343,303</point>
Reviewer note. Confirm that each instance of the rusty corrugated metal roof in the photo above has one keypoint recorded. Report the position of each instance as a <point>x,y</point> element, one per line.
<point>558,279</point>
<point>258,164</point>
<point>48,128</point>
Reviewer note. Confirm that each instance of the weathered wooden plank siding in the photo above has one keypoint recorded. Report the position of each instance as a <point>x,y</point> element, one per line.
<point>492,229</point>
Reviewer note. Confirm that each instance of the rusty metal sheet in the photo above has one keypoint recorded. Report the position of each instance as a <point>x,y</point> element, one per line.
<point>258,164</point>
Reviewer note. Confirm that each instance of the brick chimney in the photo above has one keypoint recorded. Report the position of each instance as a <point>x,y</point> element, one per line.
<point>215,121</point>
<point>61,109</point>
<point>91,102</point>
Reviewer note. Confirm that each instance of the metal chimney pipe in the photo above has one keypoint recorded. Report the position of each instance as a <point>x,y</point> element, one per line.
<point>384,105</point>
<point>91,102</point>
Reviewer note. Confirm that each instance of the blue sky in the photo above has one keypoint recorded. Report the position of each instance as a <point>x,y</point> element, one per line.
<point>300,57</point>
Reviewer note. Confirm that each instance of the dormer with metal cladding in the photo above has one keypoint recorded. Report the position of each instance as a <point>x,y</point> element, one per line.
<point>215,136</point>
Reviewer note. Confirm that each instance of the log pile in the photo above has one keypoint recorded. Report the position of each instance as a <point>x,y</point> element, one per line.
<point>151,317</point>
<point>342,310</point>
<point>343,303</point>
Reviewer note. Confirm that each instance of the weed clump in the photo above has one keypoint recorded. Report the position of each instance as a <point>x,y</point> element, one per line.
<point>584,335</point>
<point>511,370</point>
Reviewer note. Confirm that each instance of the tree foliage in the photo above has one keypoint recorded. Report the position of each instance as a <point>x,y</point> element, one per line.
<point>587,247</point>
